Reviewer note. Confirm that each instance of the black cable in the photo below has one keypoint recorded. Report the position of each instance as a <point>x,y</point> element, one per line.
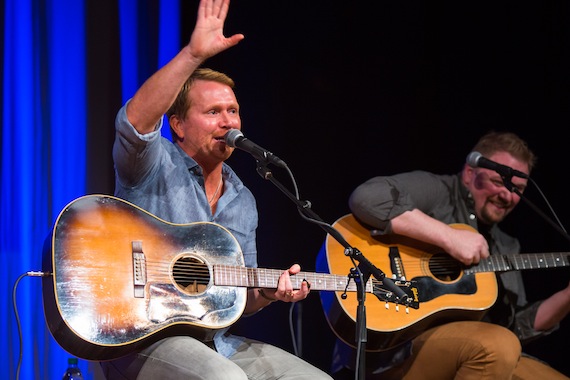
<point>21,353</point>
<point>292,329</point>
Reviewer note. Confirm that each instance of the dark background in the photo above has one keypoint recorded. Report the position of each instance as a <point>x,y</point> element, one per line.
<point>343,91</point>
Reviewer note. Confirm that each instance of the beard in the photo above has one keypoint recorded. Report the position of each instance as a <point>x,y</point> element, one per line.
<point>494,212</point>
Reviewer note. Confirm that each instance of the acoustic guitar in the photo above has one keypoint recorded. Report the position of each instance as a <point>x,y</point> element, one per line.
<point>122,278</point>
<point>448,291</point>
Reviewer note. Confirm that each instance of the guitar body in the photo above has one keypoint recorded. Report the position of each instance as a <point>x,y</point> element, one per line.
<point>446,292</point>
<point>123,278</point>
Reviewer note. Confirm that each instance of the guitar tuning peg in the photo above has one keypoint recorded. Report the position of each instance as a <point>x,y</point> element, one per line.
<point>407,310</point>
<point>387,305</point>
<point>397,307</point>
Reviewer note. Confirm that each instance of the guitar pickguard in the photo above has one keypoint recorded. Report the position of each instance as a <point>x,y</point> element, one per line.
<point>431,289</point>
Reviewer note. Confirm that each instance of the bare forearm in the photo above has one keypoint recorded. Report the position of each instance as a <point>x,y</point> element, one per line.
<point>463,244</point>
<point>419,226</point>
<point>257,300</point>
<point>553,310</point>
<point>157,94</point>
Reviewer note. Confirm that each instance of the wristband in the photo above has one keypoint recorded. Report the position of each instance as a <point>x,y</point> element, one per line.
<point>262,294</point>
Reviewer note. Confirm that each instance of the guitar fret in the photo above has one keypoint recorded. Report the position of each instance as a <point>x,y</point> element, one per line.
<point>504,264</point>
<point>560,261</point>
<point>493,260</point>
<point>264,278</point>
<point>541,261</point>
<point>521,262</point>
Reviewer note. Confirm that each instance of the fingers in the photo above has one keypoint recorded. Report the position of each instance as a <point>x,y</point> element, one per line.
<point>208,38</point>
<point>284,285</point>
<point>285,290</point>
<point>468,247</point>
<point>485,252</point>
<point>482,252</point>
<point>223,7</point>
<point>295,268</point>
<point>216,8</point>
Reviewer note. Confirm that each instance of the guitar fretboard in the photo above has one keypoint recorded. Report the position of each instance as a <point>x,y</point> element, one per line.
<point>267,278</point>
<point>503,263</point>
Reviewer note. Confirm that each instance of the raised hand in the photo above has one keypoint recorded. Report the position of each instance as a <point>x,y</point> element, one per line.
<point>208,37</point>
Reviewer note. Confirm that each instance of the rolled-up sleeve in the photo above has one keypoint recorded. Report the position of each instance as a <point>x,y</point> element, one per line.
<point>524,324</point>
<point>134,154</point>
<point>377,201</point>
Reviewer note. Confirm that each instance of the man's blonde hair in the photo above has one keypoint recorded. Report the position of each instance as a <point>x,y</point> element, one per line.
<point>182,103</point>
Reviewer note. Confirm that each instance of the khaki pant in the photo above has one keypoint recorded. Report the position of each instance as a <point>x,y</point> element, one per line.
<point>468,350</point>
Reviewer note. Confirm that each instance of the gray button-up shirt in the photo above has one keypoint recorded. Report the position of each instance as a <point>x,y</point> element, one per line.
<point>444,198</point>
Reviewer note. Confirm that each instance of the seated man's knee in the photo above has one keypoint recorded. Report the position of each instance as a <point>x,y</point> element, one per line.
<point>500,344</point>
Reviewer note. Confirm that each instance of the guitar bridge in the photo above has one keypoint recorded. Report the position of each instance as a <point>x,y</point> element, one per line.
<point>139,269</point>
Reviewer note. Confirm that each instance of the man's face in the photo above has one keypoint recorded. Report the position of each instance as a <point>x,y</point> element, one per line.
<point>213,111</point>
<point>493,201</point>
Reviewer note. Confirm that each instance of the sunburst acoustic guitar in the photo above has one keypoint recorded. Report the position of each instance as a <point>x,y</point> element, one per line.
<point>121,278</point>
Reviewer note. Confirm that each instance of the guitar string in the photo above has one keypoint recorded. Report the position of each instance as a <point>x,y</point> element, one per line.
<point>197,271</point>
<point>435,263</point>
<point>198,274</point>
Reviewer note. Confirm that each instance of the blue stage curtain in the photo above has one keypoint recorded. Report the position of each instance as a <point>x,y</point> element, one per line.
<point>45,108</point>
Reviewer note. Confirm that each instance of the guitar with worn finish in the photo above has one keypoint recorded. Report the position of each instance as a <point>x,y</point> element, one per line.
<point>121,279</point>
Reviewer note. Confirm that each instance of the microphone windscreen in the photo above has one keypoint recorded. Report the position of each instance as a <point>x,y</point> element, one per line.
<point>473,159</point>
<point>232,136</point>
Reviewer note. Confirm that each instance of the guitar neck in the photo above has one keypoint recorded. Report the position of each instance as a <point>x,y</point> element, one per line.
<point>503,263</point>
<point>226,275</point>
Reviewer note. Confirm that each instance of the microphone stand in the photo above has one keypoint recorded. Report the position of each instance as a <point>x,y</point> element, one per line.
<point>360,274</point>
<point>507,181</point>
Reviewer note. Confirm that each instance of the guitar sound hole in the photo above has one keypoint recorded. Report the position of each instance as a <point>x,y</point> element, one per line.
<point>191,275</point>
<point>444,267</point>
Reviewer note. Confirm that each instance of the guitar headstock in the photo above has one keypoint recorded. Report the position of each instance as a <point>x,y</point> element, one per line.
<point>408,287</point>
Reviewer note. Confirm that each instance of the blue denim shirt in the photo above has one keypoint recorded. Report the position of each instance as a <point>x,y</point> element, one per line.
<point>156,175</point>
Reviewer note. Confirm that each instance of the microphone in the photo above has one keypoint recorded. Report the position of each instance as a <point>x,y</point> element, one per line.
<point>236,139</point>
<point>476,160</point>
